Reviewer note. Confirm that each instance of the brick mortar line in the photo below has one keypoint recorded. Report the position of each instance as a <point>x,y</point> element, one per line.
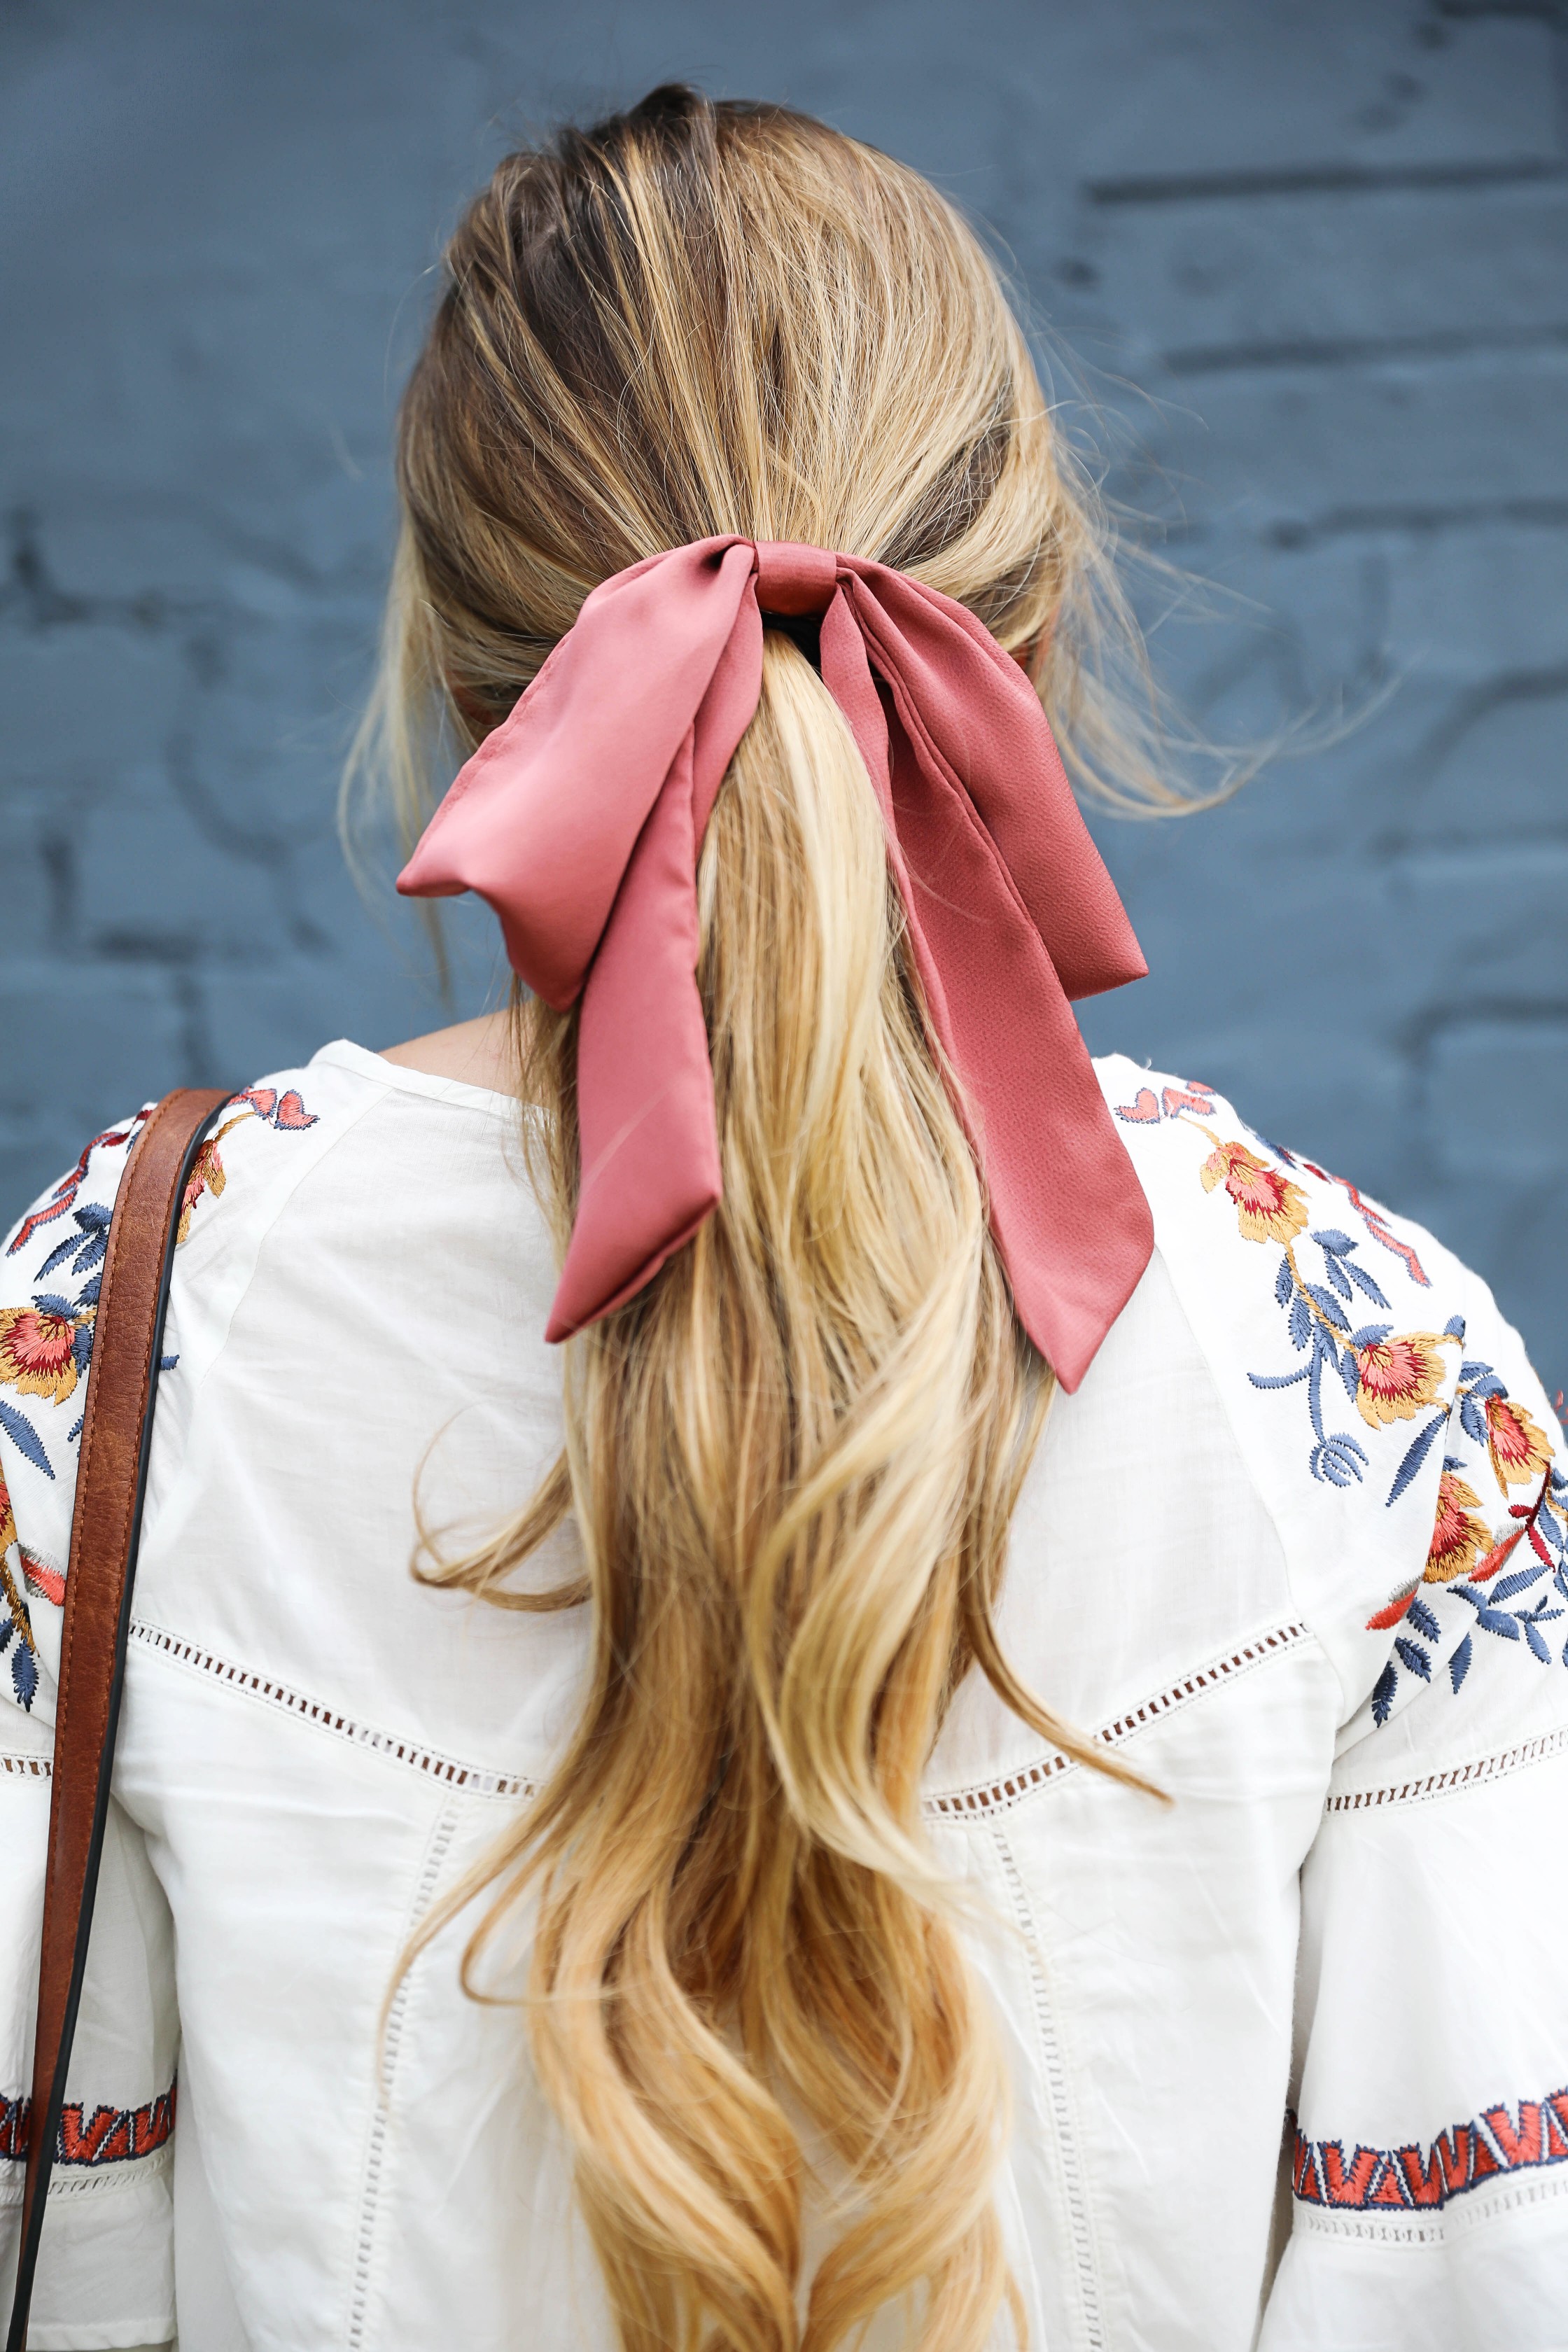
<point>1437,346</point>
<point>1323,180</point>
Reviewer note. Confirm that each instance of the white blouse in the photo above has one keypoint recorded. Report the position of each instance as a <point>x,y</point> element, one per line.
<point>1289,2054</point>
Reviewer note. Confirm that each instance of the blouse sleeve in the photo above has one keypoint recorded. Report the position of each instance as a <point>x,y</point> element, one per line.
<point>106,2269</point>
<point>1427,2147</point>
<point>1416,1476</point>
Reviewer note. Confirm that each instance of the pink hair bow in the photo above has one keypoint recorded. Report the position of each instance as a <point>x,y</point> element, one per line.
<point>580,819</point>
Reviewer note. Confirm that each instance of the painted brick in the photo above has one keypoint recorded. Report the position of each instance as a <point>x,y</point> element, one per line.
<point>1326,243</point>
<point>98,1044</point>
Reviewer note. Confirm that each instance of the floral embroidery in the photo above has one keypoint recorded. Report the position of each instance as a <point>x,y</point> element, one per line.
<point>1424,2178</point>
<point>208,1173</point>
<point>1397,1378</point>
<point>17,1637</point>
<point>17,1632</point>
<point>1388,1376</point>
<point>65,1192</point>
<point>285,1111</point>
<point>1370,1215</point>
<point>1520,1452</point>
<point>45,1345</point>
<point>17,1627</point>
<point>1465,1559</point>
<point>1385,1374</point>
<point>1171,1101</point>
<point>44,1348</point>
<point>1394,1376</point>
<point>1458,1537</point>
<point>46,1581</point>
<point>1269,1207</point>
<point>1169,1104</point>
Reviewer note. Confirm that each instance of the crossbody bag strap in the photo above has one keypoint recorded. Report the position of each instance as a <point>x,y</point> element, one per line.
<point>126,1344</point>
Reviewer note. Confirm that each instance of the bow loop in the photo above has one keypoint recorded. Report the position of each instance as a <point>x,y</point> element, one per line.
<point>580,821</point>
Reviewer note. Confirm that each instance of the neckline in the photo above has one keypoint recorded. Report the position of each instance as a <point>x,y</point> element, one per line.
<point>344,1054</point>
<point>365,1062</point>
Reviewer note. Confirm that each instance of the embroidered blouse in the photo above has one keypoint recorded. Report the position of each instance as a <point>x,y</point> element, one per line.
<point>1289,2056</point>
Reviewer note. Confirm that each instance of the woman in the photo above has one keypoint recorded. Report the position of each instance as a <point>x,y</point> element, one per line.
<point>978,1756</point>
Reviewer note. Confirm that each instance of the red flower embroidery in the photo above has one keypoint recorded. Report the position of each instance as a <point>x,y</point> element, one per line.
<point>207,1171</point>
<point>206,1176</point>
<point>1398,1378</point>
<point>1457,1538</point>
<point>47,1581</point>
<point>1519,1451</point>
<point>38,1351</point>
<point>1269,1207</point>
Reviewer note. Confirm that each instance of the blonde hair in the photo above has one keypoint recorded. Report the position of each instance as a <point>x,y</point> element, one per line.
<point>792,1459</point>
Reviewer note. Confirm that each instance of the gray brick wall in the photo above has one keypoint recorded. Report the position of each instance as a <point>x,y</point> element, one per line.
<point>1324,238</point>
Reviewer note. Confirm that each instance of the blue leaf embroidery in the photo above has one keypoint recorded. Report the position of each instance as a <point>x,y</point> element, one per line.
<point>1420,1448</point>
<point>1423,1620</point>
<point>24,1438</point>
<point>1364,1281</point>
<point>1326,1303</point>
<point>24,1673</point>
<point>1507,1586</point>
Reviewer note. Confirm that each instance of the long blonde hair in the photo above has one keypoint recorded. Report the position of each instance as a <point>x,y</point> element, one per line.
<point>792,1459</point>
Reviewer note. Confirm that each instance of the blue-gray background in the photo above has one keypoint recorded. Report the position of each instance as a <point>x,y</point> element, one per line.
<point>1323,238</point>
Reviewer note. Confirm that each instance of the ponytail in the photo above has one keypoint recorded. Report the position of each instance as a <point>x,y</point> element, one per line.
<point>793,1458</point>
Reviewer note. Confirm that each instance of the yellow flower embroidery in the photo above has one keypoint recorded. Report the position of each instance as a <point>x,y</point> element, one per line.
<point>38,1351</point>
<point>1519,1451</point>
<point>1269,1207</point>
<point>1398,1377</point>
<point>1457,1538</point>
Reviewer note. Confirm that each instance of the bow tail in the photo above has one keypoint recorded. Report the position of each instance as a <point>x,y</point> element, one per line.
<point>646,1119</point>
<point>1068,1214</point>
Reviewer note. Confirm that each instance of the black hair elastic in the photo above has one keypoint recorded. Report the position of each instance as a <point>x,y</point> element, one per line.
<point>803,629</point>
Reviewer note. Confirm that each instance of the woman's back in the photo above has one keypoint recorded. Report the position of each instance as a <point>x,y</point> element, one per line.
<point>316,1748</point>
<point>784,1698</point>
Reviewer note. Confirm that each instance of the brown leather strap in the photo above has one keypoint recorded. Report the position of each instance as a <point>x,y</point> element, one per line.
<point>126,1345</point>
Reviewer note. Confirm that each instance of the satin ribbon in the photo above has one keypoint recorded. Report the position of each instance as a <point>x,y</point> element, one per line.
<point>580,819</point>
